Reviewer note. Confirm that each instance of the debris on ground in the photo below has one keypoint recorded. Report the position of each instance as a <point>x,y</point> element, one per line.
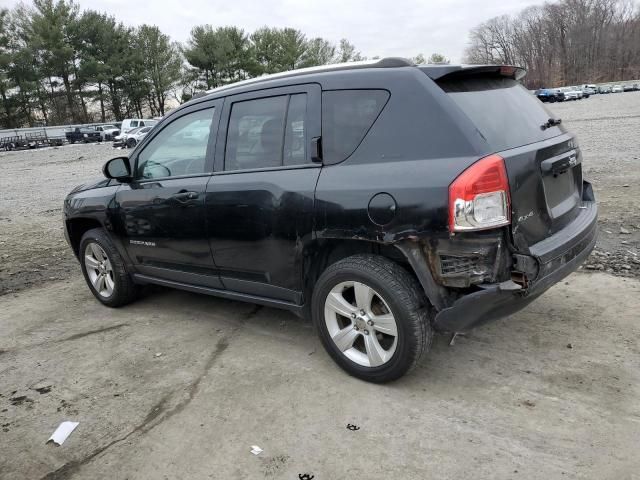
<point>62,432</point>
<point>622,262</point>
<point>256,450</point>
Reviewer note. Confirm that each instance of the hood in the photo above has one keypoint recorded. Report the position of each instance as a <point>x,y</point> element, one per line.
<point>97,183</point>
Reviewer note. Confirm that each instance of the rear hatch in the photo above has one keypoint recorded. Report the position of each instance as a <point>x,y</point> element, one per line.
<point>543,161</point>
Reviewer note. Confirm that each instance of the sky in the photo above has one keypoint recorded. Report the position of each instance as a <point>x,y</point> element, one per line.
<point>376,27</point>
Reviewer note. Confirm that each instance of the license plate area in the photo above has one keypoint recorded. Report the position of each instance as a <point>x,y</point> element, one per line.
<point>563,191</point>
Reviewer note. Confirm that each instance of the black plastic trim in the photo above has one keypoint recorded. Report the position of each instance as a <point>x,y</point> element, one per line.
<point>262,289</point>
<point>242,297</point>
<point>557,244</point>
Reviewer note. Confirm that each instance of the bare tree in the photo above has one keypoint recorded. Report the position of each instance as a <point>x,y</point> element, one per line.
<point>564,42</point>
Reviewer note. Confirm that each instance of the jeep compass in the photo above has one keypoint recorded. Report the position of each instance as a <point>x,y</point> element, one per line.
<point>382,200</point>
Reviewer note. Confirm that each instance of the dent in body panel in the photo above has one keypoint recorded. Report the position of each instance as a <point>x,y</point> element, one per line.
<point>419,188</point>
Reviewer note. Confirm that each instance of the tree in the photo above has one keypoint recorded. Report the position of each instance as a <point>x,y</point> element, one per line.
<point>419,59</point>
<point>277,50</point>
<point>564,43</point>
<point>347,53</point>
<point>97,42</point>
<point>49,37</point>
<point>6,59</point>
<point>63,65</point>
<point>318,52</point>
<point>266,47</point>
<point>437,58</point>
<point>161,62</point>
<point>293,47</point>
<point>202,53</point>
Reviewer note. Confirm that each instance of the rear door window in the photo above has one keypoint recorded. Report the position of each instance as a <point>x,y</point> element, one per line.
<point>347,116</point>
<point>267,132</point>
<point>505,113</point>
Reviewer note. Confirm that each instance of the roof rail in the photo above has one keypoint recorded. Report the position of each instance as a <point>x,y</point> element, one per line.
<point>387,62</point>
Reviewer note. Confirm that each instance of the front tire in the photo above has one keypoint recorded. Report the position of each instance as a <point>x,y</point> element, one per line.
<point>104,270</point>
<point>372,317</point>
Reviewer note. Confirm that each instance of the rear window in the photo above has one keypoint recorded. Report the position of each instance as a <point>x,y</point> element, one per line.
<point>347,116</point>
<point>505,113</point>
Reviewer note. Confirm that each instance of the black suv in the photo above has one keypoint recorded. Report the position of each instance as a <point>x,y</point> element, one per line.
<point>383,200</point>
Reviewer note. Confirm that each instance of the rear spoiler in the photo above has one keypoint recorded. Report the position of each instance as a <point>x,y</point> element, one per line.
<point>453,72</point>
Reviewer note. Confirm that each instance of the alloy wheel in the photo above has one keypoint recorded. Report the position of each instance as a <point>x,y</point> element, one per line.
<point>99,269</point>
<point>361,324</point>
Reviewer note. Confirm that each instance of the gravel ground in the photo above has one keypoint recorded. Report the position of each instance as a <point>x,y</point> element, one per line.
<point>180,386</point>
<point>33,250</point>
<point>608,127</point>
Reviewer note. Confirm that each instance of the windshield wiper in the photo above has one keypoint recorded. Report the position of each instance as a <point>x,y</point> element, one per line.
<point>552,122</point>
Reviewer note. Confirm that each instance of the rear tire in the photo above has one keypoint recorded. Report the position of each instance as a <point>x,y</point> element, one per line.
<point>104,270</point>
<point>387,340</point>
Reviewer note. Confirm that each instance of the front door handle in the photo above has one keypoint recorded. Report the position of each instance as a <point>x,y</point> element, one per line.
<point>185,196</point>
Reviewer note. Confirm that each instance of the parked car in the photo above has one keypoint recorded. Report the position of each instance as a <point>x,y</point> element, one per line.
<point>107,132</point>
<point>136,135</point>
<point>382,200</point>
<point>131,123</point>
<point>121,139</point>
<point>589,89</point>
<point>82,134</point>
<point>549,95</point>
<point>604,89</point>
<point>616,89</point>
<point>570,93</point>
<point>587,92</point>
<point>628,87</point>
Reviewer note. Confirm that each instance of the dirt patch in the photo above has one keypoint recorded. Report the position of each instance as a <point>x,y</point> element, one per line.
<point>33,250</point>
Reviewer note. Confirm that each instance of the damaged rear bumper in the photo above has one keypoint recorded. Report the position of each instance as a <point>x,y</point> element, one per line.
<point>555,258</point>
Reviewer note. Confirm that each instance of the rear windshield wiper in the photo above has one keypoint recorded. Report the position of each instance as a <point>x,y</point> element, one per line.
<point>552,122</point>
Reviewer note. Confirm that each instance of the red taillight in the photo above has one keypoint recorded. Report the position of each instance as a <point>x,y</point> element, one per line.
<point>479,197</point>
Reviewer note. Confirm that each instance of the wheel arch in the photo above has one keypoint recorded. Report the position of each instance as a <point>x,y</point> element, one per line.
<point>321,253</point>
<point>77,227</point>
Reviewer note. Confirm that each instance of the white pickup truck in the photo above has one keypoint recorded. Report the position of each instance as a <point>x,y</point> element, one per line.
<point>107,132</point>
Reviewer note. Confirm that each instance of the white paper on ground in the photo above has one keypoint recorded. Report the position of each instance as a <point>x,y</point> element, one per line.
<point>256,450</point>
<point>62,432</point>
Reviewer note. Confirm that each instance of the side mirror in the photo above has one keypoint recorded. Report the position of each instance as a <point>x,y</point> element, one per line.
<point>118,169</point>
